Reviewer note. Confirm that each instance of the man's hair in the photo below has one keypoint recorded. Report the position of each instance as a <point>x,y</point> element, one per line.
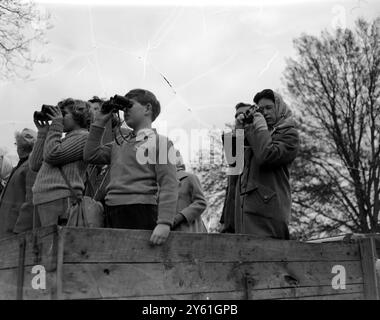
<point>265,94</point>
<point>80,110</point>
<point>96,99</point>
<point>242,104</point>
<point>144,97</point>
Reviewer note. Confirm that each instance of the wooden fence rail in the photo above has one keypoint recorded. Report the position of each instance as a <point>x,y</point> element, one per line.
<point>82,263</point>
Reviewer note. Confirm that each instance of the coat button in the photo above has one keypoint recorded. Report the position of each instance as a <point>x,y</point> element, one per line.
<point>266,198</point>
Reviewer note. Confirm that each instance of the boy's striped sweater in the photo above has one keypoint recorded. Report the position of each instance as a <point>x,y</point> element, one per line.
<point>51,151</point>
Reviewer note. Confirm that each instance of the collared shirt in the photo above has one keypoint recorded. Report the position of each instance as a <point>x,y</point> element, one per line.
<point>145,132</point>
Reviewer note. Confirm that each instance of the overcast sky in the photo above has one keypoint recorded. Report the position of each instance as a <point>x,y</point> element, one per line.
<point>213,56</point>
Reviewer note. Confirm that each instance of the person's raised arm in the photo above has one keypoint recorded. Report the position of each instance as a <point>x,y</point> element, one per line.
<point>94,152</point>
<point>271,150</point>
<point>36,156</point>
<point>57,151</point>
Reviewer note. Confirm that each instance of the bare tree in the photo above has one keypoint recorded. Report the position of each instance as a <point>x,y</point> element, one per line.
<point>335,82</point>
<point>211,171</point>
<point>21,24</point>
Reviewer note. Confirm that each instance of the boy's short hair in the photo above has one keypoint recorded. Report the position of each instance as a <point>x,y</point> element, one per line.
<point>144,97</point>
<point>80,110</point>
<point>96,99</point>
<point>242,104</point>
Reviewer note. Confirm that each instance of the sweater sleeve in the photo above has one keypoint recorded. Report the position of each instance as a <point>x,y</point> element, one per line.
<point>198,200</point>
<point>60,152</point>
<point>275,150</point>
<point>94,151</point>
<point>36,156</point>
<point>166,174</point>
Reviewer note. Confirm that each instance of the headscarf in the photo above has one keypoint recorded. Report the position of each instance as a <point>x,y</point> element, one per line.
<point>283,113</point>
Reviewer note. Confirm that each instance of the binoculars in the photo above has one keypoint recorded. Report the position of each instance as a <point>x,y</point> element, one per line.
<point>115,104</point>
<point>43,114</point>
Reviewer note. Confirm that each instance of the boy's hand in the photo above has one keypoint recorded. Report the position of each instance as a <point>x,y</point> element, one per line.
<point>239,121</point>
<point>102,118</point>
<point>42,126</point>
<point>160,234</point>
<point>56,113</point>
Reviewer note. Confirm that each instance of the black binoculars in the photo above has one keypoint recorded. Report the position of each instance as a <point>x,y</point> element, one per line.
<point>115,104</point>
<point>43,114</point>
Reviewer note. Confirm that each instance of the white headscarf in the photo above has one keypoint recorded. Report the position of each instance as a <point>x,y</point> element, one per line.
<point>283,113</point>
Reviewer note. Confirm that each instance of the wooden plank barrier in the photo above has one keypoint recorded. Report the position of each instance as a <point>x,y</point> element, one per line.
<point>82,263</point>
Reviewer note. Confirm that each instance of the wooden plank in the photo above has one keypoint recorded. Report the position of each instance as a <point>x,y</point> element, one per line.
<point>9,249</point>
<point>142,279</point>
<point>8,285</point>
<point>265,294</point>
<point>368,258</point>
<point>290,293</point>
<point>378,270</point>
<point>351,238</point>
<point>58,275</point>
<point>45,241</point>
<point>303,292</point>
<point>376,238</point>
<point>20,269</point>
<point>344,296</point>
<point>228,295</point>
<point>377,243</point>
<point>116,245</point>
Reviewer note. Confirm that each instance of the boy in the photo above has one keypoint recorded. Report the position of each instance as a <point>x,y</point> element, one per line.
<point>139,195</point>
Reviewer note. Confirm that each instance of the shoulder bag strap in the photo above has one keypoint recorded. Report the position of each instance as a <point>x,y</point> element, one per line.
<point>87,177</point>
<point>102,182</point>
<point>74,195</point>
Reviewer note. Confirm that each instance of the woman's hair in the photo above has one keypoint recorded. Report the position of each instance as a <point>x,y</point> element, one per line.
<point>25,140</point>
<point>80,110</point>
<point>265,94</point>
<point>144,97</point>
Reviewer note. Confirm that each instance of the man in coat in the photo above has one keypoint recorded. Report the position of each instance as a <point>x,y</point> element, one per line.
<point>227,219</point>
<point>16,207</point>
<point>263,203</point>
<point>191,201</point>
